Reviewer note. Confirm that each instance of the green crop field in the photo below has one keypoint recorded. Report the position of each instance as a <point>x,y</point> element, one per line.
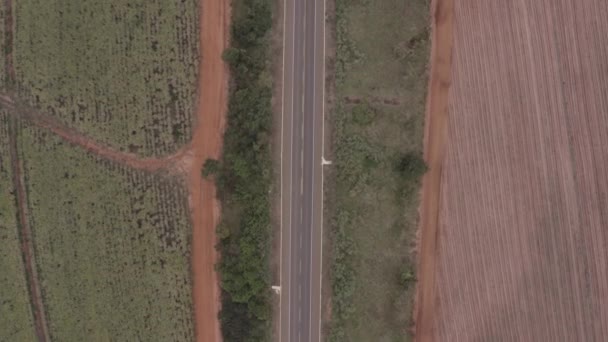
<point>111,244</point>
<point>381,56</point>
<point>16,323</point>
<point>121,71</point>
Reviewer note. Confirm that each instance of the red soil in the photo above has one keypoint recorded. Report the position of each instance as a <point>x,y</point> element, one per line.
<point>435,137</point>
<point>522,244</point>
<point>207,143</point>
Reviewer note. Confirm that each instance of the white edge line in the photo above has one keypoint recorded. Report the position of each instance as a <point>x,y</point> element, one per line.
<point>291,163</point>
<point>312,184</point>
<point>281,178</point>
<point>322,178</point>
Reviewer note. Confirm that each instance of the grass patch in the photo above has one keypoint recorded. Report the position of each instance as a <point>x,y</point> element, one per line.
<point>244,178</point>
<point>112,245</point>
<point>381,55</point>
<point>122,71</point>
<point>17,322</point>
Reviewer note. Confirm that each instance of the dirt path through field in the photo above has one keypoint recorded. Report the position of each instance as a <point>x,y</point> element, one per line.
<point>25,232</point>
<point>25,235</point>
<point>435,137</point>
<point>174,161</point>
<point>207,143</point>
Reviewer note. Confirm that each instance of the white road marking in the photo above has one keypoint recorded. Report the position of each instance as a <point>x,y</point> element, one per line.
<point>281,177</point>
<point>290,155</point>
<point>322,174</point>
<point>312,185</point>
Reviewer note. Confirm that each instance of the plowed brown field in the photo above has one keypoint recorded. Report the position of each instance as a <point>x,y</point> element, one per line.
<point>522,234</point>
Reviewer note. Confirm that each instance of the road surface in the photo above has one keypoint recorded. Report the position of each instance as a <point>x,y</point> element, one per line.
<point>301,170</point>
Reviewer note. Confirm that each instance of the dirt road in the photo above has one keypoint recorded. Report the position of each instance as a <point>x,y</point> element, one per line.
<point>435,137</point>
<point>207,143</point>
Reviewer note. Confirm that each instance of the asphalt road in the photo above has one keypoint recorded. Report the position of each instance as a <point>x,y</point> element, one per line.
<point>301,170</point>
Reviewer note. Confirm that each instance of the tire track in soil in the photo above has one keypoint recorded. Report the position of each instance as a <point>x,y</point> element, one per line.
<point>25,232</point>
<point>25,235</point>
<point>207,143</point>
<point>435,137</point>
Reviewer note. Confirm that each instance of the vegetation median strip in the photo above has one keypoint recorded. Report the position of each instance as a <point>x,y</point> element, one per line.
<point>381,53</point>
<point>244,178</point>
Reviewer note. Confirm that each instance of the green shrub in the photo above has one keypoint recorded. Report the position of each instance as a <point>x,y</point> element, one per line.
<point>363,114</point>
<point>411,166</point>
<point>211,168</point>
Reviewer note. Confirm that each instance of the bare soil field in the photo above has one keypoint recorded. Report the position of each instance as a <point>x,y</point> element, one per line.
<point>521,241</point>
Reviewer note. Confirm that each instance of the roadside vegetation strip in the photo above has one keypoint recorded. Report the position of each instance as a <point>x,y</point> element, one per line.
<point>112,245</point>
<point>434,150</point>
<point>26,237</point>
<point>244,178</point>
<point>17,323</point>
<point>121,71</point>
<point>380,87</point>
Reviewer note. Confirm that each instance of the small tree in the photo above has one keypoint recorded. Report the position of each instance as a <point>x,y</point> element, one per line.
<point>411,166</point>
<point>211,168</point>
<point>231,56</point>
<point>407,277</point>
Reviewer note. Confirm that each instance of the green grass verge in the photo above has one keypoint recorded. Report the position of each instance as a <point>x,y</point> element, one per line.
<point>112,246</point>
<point>122,71</point>
<point>244,178</point>
<point>16,323</point>
<point>381,82</point>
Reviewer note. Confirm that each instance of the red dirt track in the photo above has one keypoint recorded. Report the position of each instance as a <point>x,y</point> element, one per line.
<point>207,143</point>
<point>521,251</point>
<point>435,136</point>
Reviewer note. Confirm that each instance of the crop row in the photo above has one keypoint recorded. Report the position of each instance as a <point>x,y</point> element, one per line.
<point>112,245</point>
<point>121,71</point>
<point>17,320</point>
